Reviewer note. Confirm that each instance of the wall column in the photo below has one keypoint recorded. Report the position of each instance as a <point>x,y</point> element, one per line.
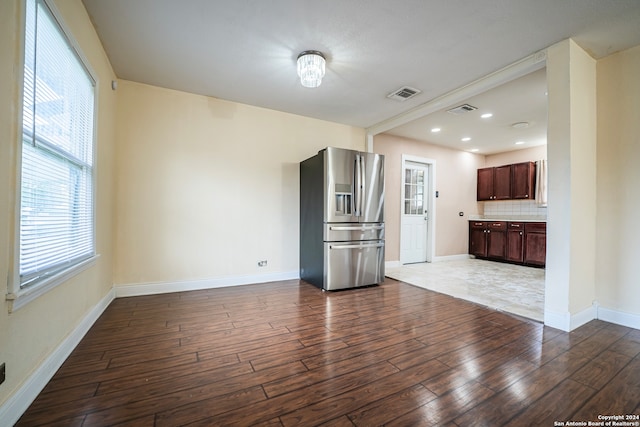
<point>571,150</point>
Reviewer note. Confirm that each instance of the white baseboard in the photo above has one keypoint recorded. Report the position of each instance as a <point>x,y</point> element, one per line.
<point>568,322</point>
<point>138,289</point>
<point>584,317</point>
<point>17,404</point>
<point>619,317</point>
<point>557,320</point>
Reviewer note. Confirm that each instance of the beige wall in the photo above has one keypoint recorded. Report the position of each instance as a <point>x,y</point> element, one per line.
<point>455,182</point>
<point>618,182</point>
<point>518,156</point>
<point>206,188</point>
<point>29,335</point>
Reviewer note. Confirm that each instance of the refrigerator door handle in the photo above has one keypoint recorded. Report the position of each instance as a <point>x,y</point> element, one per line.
<point>357,227</point>
<point>356,186</point>
<point>358,246</point>
<point>363,184</point>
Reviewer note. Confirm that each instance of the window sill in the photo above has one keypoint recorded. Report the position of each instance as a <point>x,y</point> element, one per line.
<point>22,297</point>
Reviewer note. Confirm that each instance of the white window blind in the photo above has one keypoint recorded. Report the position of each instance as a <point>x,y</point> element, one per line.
<point>56,210</point>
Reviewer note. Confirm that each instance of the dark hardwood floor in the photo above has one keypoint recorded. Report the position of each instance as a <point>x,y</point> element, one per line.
<point>286,353</point>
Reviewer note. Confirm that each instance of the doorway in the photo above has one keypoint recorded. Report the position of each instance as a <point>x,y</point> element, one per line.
<point>417,210</point>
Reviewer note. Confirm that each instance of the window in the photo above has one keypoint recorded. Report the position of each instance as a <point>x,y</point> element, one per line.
<point>413,191</point>
<point>56,205</point>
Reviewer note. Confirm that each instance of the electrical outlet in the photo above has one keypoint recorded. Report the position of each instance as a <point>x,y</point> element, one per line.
<point>2,373</point>
<point>262,263</point>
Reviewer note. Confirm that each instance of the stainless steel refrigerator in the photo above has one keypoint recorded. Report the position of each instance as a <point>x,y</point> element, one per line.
<point>342,219</point>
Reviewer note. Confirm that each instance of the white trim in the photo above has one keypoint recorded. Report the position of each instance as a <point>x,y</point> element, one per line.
<point>24,296</point>
<point>17,296</point>
<point>18,402</point>
<point>137,289</point>
<point>557,320</point>
<point>568,322</point>
<point>618,317</point>
<point>369,143</point>
<point>583,317</point>
<point>431,190</point>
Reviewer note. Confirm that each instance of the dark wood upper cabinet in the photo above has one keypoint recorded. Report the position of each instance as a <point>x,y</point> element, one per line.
<point>523,180</point>
<point>516,181</point>
<point>502,183</point>
<point>485,184</point>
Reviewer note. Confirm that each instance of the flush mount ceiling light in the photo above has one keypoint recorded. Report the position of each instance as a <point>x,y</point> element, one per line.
<point>311,68</point>
<point>520,125</point>
<point>435,130</point>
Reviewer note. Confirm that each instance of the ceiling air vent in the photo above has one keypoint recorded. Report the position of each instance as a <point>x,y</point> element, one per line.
<point>404,93</point>
<point>461,109</point>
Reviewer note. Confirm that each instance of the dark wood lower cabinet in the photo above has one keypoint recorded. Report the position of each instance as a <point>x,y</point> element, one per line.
<point>516,242</point>
<point>535,243</point>
<point>488,239</point>
<point>496,239</point>
<point>478,239</point>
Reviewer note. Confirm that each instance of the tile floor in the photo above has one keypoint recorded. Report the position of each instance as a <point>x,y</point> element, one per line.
<point>512,288</point>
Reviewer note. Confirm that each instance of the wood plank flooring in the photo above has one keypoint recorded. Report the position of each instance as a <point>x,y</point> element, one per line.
<point>288,354</point>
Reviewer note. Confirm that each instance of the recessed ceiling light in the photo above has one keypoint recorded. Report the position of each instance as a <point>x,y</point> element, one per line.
<point>519,142</point>
<point>474,150</point>
<point>520,125</point>
<point>465,139</point>
<point>486,115</point>
<point>434,130</point>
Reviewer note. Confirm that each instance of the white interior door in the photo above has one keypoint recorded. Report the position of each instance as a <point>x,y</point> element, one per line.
<point>415,213</point>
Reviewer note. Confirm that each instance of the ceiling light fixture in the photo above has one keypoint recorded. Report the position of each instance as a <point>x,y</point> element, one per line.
<point>520,125</point>
<point>486,115</point>
<point>434,130</point>
<point>519,142</point>
<point>311,68</point>
<point>465,139</point>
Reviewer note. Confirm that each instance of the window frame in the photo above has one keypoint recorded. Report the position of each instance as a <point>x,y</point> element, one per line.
<point>19,296</point>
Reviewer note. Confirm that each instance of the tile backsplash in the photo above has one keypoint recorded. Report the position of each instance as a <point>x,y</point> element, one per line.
<point>515,208</point>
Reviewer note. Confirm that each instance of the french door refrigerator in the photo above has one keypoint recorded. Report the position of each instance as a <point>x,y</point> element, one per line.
<point>342,219</point>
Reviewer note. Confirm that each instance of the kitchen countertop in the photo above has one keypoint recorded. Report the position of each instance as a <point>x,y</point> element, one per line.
<point>523,218</point>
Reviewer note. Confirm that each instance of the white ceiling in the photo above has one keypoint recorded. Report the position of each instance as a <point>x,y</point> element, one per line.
<point>521,101</point>
<point>245,51</point>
